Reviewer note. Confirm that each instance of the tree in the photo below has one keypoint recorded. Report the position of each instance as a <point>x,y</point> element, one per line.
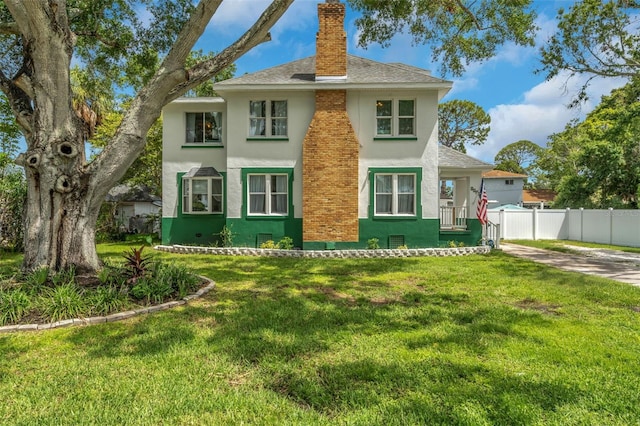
<point>457,32</point>
<point>106,37</point>
<point>596,163</point>
<point>64,191</point>
<point>520,157</point>
<point>462,123</point>
<point>595,38</point>
<point>9,130</point>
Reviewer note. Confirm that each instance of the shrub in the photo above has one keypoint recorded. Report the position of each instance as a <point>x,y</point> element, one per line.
<point>286,243</point>
<point>403,247</point>
<point>108,299</point>
<point>179,278</point>
<point>269,244</point>
<point>62,302</point>
<point>136,264</point>
<point>14,304</point>
<point>372,244</point>
<point>226,236</point>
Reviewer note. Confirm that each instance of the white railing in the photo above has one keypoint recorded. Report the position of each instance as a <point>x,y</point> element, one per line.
<point>492,234</point>
<point>453,217</point>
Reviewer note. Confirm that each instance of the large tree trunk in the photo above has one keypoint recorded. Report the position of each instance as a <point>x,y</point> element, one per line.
<point>64,192</point>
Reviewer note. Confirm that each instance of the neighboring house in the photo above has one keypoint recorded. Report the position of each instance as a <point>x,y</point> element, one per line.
<point>331,150</point>
<point>503,187</point>
<point>134,208</point>
<point>537,198</point>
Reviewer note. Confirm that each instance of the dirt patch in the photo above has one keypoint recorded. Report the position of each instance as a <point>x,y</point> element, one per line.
<point>536,305</point>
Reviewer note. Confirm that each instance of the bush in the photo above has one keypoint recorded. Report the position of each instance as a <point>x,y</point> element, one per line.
<point>286,243</point>
<point>14,304</point>
<point>372,244</point>
<point>269,244</point>
<point>63,301</point>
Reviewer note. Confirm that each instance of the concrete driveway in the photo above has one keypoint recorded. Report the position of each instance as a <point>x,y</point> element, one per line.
<point>615,265</point>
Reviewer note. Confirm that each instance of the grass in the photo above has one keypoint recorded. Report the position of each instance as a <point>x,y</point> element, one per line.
<point>477,340</point>
<point>561,245</point>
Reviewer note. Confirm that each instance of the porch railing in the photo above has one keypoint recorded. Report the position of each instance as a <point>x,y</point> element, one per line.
<point>453,217</point>
<point>492,234</point>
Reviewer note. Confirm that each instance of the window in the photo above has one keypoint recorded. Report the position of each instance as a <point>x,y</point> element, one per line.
<point>202,191</point>
<point>268,119</point>
<point>268,194</point>
<point>204,127</point>
<point>395,117</point>
<point>508,182</point>
<point>395,194</point>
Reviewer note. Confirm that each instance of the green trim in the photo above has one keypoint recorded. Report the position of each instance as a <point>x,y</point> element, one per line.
<point>395,138</point>
<point>267,139</point>
<point>395,170</point>
<point>191,215</point>
<point>205,146</point>
<point>263,170</point>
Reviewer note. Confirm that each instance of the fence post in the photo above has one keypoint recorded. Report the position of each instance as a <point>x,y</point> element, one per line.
<point>610,226</point>
<point>534,223</point>
<point>503,223</point>
<point>581,223</point>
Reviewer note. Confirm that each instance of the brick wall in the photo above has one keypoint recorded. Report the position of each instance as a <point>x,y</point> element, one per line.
<point>330,172</point>
<point>331,41</point>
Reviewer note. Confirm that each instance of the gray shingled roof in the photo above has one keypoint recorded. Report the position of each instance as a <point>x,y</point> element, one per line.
<point>450,158</point>
<point>360,71</point>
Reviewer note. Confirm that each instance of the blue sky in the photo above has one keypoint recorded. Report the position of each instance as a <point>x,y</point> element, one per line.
<point>521,103</point>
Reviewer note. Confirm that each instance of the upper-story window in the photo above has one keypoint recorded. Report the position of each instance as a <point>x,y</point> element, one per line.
<point>204,127</point>
<point>268,119</point>
<point>508,181</point>
<point>395,117</point>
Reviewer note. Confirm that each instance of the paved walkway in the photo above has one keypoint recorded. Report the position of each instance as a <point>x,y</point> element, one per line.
<point>616,265</point>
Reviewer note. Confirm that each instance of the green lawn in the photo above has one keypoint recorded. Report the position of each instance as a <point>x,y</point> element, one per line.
<point>477,340</point>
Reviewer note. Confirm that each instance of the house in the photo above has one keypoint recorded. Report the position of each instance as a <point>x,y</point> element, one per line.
<point>135,209</point>
<point>503,187</point>
<point>537,198</point>
<point>331,150</point>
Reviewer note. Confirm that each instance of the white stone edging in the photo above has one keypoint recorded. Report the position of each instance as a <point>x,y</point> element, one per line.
<point>314,254</point>
<point>118,316</point>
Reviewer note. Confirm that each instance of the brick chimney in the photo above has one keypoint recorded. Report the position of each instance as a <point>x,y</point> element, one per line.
<point>331,42</point>
<point>330,152</point>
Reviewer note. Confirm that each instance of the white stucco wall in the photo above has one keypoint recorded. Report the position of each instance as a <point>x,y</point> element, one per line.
<point>422,152</point>
<point>175,158</point>
<point>238,153</point>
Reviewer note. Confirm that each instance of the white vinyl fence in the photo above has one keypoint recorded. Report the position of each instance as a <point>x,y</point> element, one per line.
<point>617,227</point>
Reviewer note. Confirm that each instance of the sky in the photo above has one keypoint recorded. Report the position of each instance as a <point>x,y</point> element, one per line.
<point>522,105</point>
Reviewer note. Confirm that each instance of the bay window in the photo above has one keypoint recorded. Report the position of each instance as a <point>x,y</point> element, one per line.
<point>202,195</point>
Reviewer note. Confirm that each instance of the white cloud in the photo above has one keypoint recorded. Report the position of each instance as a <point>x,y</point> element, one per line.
<point>542,112</point>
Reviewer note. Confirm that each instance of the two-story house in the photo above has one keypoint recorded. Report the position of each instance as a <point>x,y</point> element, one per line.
<point>332,151</point>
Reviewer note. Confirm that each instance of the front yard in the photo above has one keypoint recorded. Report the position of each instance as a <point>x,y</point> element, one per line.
<point>466,340</point>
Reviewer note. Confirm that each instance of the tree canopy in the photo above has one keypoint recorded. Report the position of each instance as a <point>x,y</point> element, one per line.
<point>596,163</point>
<point>595,38</point>
<point>521,157</point>
<point>462,123</point>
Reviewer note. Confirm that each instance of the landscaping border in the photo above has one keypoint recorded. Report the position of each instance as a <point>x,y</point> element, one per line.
<point>118,316</point>
<point>314,254</point>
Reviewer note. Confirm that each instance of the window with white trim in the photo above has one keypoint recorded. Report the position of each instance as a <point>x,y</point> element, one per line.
<point>268,194</point>
<point>508,181</point>
<point>395,194</point>
<point>204,127</point>
<point>395,117</point>
<point>202,195</point>
<point>268,119</point>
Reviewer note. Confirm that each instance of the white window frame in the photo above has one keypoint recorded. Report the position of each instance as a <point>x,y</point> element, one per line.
<point>269,119</point>
<point>508,181</point>
<point>395,118</point>
<point>216,129</point>
<point>268,194</point>
<point>187,190</point>
<point>395,193</point>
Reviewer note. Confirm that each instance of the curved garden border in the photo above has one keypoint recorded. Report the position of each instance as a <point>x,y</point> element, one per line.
<point>113,317</point>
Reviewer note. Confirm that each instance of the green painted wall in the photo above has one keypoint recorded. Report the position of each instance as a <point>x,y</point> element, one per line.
<point>192,229</point>
<point>247,232</point>
<point>470,237</point>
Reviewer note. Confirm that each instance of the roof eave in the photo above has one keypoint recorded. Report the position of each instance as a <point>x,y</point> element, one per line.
<point>442,88</point>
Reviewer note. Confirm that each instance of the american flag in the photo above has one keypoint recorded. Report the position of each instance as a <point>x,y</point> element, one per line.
<point>481,209</point>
